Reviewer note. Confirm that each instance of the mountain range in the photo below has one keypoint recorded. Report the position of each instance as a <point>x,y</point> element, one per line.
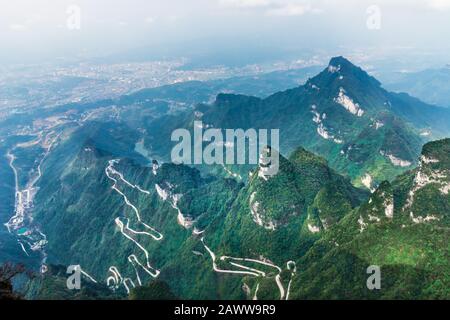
<point>429,85</point>
<point>363,181</point>
<point>343,114</point>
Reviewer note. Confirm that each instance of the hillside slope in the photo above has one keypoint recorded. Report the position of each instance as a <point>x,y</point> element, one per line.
<point>403,228</point>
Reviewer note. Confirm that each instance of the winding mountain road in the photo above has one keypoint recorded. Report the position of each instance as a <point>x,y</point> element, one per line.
<point>249,271</point>
<point>129,232</point>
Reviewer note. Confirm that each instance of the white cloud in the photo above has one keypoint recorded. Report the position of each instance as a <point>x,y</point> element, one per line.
<point>245,3</point>
<point>291,9</point>
<point>173,18</point>
<point>30,20</point>
<point>274,7</point>
<point>439,4</point>
<point>17,27</point>
<point>149,20</point>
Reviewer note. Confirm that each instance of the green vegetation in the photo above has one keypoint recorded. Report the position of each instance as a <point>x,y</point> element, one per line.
<point>313,212</point>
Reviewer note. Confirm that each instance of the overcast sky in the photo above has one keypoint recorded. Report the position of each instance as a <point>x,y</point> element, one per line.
<point>38,29</point>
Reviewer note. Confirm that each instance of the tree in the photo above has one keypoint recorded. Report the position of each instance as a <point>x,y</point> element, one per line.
<point>155,290</point>
<point>7,272</point>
